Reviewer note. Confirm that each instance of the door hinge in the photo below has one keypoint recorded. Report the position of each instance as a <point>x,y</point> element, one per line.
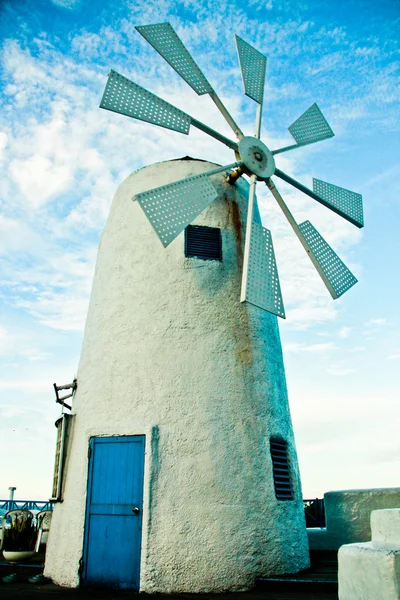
<point>89,452</point>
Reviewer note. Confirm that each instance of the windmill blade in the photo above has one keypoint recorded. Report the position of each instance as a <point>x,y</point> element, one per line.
<point>262,286</point>
<point>343,202</point>
<point>168,44</point>
<point>341,199</point>
<point>332,270</point>
<point>123,96</point>
<point>252,66</point>
<point>337,277</point>
<point>170,208</point>
<point>165,40</point>
<point>260,281</point>
<point>309,128</point>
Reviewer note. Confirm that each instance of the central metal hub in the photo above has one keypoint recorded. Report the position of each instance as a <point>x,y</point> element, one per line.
<point>257,157</point>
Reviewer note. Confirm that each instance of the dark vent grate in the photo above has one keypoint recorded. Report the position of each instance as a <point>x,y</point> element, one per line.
<point>203,242</point>
<point>280,467</point>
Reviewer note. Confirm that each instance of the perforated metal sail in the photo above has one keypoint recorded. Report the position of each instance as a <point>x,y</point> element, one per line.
<point>336,275</point>
<point>349,203</point>
<point>252,66</point>
<point>263,288</point>
<point>311,127</point>
<point>123,96</point>
<point>170,208</point>
<point>167,43</point>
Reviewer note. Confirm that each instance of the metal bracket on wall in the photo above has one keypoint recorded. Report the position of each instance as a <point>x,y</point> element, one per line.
<point>70,386</point>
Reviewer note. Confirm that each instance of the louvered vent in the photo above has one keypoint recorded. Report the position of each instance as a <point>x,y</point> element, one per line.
<point>280,466</point>
<point>203,242</point>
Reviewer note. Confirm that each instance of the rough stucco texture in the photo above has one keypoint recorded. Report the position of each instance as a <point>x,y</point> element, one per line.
<point>170,352</point>
<point>371,570</point>
<point>348,514</point>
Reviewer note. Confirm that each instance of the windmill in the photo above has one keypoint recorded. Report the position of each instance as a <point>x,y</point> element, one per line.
<point>171,208</point>
<point>180,450</point>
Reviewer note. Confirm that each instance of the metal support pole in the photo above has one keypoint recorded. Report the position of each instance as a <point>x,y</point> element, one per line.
<point>228,118</point>
<point>250,211</point>
<point>218,136</point>
<point>258,121</point>
<point>300,236</point>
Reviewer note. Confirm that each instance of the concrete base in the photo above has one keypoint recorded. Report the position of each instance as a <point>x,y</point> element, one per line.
<point>371,570</point>
<point>348,514</point>
<point>368,573</point>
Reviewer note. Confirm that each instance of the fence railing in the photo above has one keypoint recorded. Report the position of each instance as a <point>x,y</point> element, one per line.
<point>6,505</point>
<point>314,511</point>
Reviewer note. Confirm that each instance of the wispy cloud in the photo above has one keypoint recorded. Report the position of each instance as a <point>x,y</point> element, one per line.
<point>314,348</point>
<point>70,4</point>
<point>344,332</point>
<point>378,322</point>
<point>65,158</point>
<point>340,371</point>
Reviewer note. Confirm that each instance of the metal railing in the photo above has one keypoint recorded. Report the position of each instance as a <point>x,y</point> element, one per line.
<point>6,505</point>
<point>314,511</point>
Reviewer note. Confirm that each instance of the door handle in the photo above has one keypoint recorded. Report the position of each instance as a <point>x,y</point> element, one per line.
<point>136,510</point>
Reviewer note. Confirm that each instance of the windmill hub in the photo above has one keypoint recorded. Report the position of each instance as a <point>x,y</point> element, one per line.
<point>257,157</point>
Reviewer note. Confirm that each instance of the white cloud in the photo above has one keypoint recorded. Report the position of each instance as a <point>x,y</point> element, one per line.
<point>66,158</point>
<point>378,322</point>
<point>70,4</point>
<point>393,357</point>
<point>314,348</point>
<point>3,144</point>
<point>39,179</point>
<point>344,332</point>
<point>17,344</point>
<point>340,370</point>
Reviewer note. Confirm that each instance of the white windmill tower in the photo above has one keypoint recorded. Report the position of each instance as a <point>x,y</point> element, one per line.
<point>191,482</point>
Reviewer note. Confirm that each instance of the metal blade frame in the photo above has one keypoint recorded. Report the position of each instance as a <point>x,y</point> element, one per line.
<point>263,291</point>
<point>123,96</point>
<point>164,39</point>
<point>170,208</point>
<point>252,66</point>
<point>312,121</point>
<point>311,127</point>
<point>336,209</point>
<point>327,263</point>
<point>263,287</point>
<point>249,223</point>
<point>340,198</point>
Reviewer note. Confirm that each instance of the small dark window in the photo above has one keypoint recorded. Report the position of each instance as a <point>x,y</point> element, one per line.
<point>203,242</point>
<point>280,467</point>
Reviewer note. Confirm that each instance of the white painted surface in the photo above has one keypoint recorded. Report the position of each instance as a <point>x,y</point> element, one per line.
<point>348,516</point>
<point>385,527</point>
<point>170,352</point>
<point>371,571</point>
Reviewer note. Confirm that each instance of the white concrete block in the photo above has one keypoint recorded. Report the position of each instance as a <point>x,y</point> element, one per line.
<point>385,527</point>
<point>368,573</point>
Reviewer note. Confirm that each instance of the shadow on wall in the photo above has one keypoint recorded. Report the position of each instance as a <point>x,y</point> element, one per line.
<point>348,514</point>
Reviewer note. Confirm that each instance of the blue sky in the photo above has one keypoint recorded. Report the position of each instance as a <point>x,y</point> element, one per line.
<point>61,159</point>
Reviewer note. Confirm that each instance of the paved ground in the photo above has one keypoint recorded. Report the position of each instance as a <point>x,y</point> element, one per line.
<point>29,591</point>
<point>35,592</point>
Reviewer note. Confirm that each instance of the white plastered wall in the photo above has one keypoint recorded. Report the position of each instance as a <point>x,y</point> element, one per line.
<point>371,570</point>
<point>170,352</point>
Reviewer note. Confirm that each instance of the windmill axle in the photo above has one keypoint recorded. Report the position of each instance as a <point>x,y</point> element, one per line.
<point>257,157</point>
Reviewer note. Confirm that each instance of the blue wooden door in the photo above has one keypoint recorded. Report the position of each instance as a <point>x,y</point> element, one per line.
<point>114,512</point>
